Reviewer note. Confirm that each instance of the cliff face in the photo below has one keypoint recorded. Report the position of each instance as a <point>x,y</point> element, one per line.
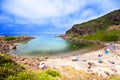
<point>102,23</point>
<point>80,30</point>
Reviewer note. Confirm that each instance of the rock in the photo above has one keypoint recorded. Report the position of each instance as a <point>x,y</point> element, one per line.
<point>119,38</point>
<point>25,63</point>
<point>14,47</point>
<point>90,64</point>
<point>22,59</point>
<point>114,70</point>
<point>80,30</point>
<point>107,73</point>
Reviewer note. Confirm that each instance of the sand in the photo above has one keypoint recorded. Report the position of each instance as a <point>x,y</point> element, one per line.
<point>88,62</point>
<point>104,69</point>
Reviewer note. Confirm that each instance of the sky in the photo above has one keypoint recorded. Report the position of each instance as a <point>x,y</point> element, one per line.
<point>50,16</point>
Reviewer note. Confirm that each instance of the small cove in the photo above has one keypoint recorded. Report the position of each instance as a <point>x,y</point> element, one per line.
<point>49,45</point>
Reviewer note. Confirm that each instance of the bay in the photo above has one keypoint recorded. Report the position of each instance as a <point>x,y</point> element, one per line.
<point>49,45</point>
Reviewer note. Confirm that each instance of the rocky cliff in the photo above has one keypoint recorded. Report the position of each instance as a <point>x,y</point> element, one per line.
<point>102,23</point>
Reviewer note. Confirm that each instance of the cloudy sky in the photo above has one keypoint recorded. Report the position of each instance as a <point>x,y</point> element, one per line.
<point>49,16</point>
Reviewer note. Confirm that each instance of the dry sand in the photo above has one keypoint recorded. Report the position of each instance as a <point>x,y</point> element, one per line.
<point>103,69</point>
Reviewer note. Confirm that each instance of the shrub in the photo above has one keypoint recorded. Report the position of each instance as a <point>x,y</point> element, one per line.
<point>110,38</point>
<point>10,70</point>
<point>114,78</point>
<point>9,38</point>
<point>52,73</point>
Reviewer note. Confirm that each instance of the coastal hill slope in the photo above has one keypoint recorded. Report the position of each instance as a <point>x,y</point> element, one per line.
<point>105,28</point>
<point>11,70</point>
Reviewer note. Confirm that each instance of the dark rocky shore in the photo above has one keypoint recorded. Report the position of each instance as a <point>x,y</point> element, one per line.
<point>7,45</point>
<point>65,37</point>
<point>27,61</point>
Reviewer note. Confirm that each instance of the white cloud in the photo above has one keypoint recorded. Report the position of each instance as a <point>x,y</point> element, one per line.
<point>42,9</point>
<point>5,19</point>
<point>108,5</point>
<point>55,12</point>
<point>87,13</point>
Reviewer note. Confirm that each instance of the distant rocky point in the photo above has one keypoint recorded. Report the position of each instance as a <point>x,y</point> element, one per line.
<point>9,42</point>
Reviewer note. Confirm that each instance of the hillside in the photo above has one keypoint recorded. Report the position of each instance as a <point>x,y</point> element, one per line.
<point>105,28</point>
<point>11,70</point>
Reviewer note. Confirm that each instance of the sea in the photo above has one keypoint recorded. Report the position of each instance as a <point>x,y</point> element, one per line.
<point>49,45</point>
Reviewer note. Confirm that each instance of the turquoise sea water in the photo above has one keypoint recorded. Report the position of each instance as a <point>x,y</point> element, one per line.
<point>48,45</point>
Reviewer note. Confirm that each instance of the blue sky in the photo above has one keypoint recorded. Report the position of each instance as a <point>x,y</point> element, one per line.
<point>49,16</point>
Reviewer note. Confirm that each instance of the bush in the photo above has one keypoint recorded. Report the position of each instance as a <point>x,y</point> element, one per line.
<point>114,78</point>
<point>9,38</point>
<point>10,70</point>
<point>8,67</point>
<point>24,75</point>
<point>110,38</point>
<point>52,73</point>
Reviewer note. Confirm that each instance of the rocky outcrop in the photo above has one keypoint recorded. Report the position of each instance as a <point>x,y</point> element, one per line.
<point>6,46</point>
<point>114,27</point>
<point>80,30</point>
<point>102,23</point>
<point>65,37</point>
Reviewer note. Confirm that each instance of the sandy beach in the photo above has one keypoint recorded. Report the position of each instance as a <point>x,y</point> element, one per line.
<point>104,69</point>
<point>91,62</point>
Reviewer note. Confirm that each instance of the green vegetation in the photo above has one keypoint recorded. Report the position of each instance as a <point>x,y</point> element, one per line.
<point>115,78</point>
<point>107,36</point>
<point>49,75</point>
<point>10,70</point>
<point>52,73</point>
<point>98,29</point>
<point>81,75</point>
<point>112,18</point>
<point>104,36</point>
<point>9,38</point>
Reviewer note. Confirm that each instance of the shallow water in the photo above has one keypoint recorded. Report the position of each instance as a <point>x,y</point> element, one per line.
<point>49,45</point>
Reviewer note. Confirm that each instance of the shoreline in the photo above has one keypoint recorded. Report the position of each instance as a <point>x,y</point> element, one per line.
<point>7,45</point>
<point>65,37</point>
<point>103,69</point>
<point>88,61</point>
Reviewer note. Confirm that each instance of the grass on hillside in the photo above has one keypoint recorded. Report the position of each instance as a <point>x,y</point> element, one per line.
<point>106,36</point>
<point>104,22</point>
<point>114,78</point>
<point>10,38</point>
<point>10,70</point>
<point>98,28</point>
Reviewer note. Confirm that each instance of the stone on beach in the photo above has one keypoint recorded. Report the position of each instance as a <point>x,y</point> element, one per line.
<point>42,65</point>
